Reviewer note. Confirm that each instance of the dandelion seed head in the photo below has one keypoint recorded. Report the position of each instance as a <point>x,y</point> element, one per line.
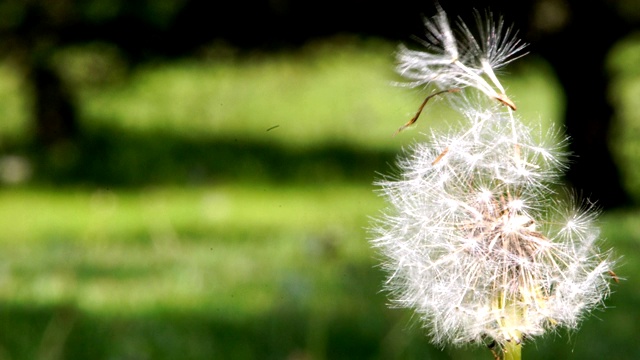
<point>472,238</point>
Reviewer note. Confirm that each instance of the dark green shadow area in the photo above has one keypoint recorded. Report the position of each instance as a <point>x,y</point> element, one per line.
<point>289,329</point>
<point>283,333</point>
<point>113,157</point>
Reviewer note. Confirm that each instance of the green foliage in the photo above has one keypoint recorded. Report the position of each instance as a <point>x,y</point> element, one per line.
<point>185,225</point>
<point>624,97</point>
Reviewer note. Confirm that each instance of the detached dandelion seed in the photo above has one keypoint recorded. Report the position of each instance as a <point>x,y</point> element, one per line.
<point>464,61</point>
<point>475,240</point>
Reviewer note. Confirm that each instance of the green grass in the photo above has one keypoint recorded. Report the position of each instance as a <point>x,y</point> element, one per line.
<point>202,257</point>
<point>185,225</point>
<point>123,252</point>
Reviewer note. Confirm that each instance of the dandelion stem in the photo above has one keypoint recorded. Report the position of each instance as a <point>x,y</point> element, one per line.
<point>512,351</point>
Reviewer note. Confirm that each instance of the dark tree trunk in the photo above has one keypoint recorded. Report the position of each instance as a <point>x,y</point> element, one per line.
<point>577,53</point>
<point>54,111</point>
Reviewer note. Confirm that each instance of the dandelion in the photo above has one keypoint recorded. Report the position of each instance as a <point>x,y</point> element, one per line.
<point>462,61</point>
<point>476,238</point>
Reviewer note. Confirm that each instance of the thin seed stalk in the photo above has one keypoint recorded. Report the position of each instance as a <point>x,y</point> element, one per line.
<point>510,315</point>
<point>512,351</point>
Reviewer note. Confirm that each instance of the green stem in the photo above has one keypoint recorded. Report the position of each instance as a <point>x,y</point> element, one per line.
<point>512,351</point>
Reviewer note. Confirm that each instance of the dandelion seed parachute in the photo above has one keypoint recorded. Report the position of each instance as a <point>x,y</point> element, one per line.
<point>475,239</point>
<point>449,61</point>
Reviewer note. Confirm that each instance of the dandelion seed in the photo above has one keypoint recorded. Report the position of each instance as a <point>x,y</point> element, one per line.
<point>465,61</point>
<point>424,103</point>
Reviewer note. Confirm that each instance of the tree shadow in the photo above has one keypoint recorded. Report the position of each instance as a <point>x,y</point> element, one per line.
<point>113,157</point>
<point>288,329</point>
<point>285,331</point>
<point>309,318</point>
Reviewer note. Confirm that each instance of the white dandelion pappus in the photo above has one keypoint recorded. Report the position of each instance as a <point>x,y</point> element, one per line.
<point>448,61</point>
<point>474,238</point>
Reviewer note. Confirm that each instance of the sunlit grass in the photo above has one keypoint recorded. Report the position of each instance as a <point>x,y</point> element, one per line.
<point>176,248</point>
<point>322,94</point>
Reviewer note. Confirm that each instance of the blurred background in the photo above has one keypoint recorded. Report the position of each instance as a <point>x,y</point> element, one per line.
<point>191,179</point>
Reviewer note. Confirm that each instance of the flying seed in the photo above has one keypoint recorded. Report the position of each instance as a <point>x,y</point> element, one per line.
<point>415,117</point>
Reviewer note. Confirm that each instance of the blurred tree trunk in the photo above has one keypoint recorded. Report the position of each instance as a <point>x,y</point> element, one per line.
<point>33,41</point>
<point>54,112</point>
<point>577,52</point>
